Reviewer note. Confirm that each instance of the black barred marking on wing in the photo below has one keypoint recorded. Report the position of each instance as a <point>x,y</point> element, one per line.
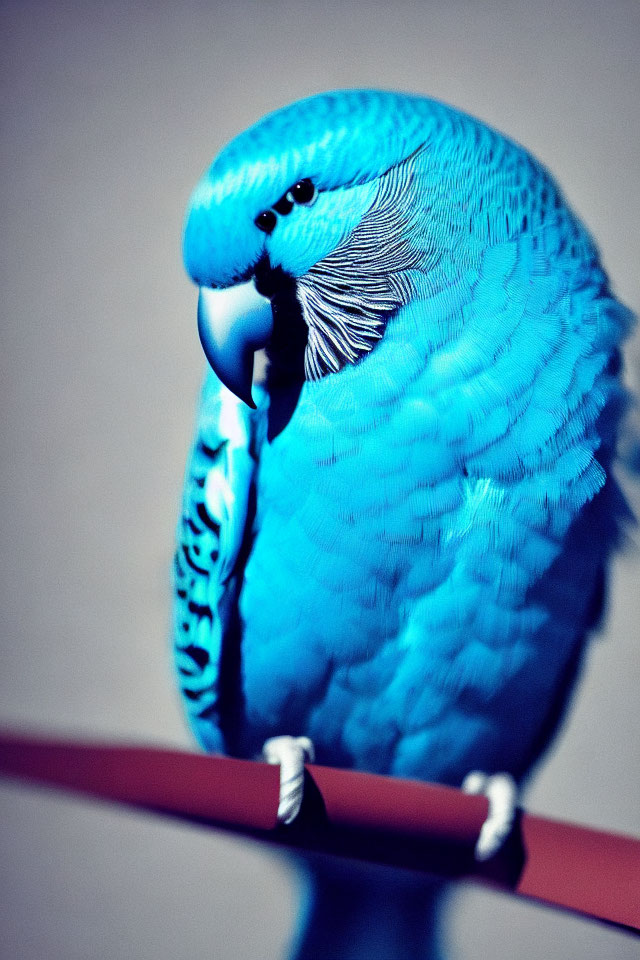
<point>211,452</point>
<point>200,610</point>
<point>198,654</point>
<point>192,564</point>
<point>216,520</point>
<point>199,539</point>
<point>348,297</point>
<point>202,512</point>
<point>209,712</point>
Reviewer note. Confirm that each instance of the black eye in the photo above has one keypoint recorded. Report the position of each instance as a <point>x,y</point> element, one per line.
<point>284,205</point>
<point>266,221</point>
<point>304,191</point>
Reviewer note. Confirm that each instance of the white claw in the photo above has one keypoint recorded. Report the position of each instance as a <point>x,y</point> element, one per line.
<point>502,793</point>
<point>291,753</point>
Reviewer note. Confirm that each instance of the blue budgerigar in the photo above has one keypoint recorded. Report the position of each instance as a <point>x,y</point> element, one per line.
<point>392,550</point>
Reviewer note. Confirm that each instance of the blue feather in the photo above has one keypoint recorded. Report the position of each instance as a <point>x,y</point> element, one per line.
<point>405,569</point>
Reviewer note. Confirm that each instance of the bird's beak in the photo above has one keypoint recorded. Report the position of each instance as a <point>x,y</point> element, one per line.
<point>233,324</point>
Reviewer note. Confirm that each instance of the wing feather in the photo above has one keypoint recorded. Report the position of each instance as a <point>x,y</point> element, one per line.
<point>215,523</point>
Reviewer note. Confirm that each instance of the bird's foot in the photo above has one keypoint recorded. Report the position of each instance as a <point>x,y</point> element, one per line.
<point>501,791</point>
<point>291,753</point>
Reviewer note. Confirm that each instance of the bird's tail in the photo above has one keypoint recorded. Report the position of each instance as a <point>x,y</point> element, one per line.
<point>353,911</point>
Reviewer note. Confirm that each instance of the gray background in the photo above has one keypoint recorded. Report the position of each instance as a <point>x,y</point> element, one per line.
<point>109,113</point>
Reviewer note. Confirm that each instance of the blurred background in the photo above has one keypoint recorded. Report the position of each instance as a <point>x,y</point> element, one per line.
<point>110,111</point>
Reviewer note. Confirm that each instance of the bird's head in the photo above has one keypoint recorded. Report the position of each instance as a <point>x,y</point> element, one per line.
<point>298,235</point>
